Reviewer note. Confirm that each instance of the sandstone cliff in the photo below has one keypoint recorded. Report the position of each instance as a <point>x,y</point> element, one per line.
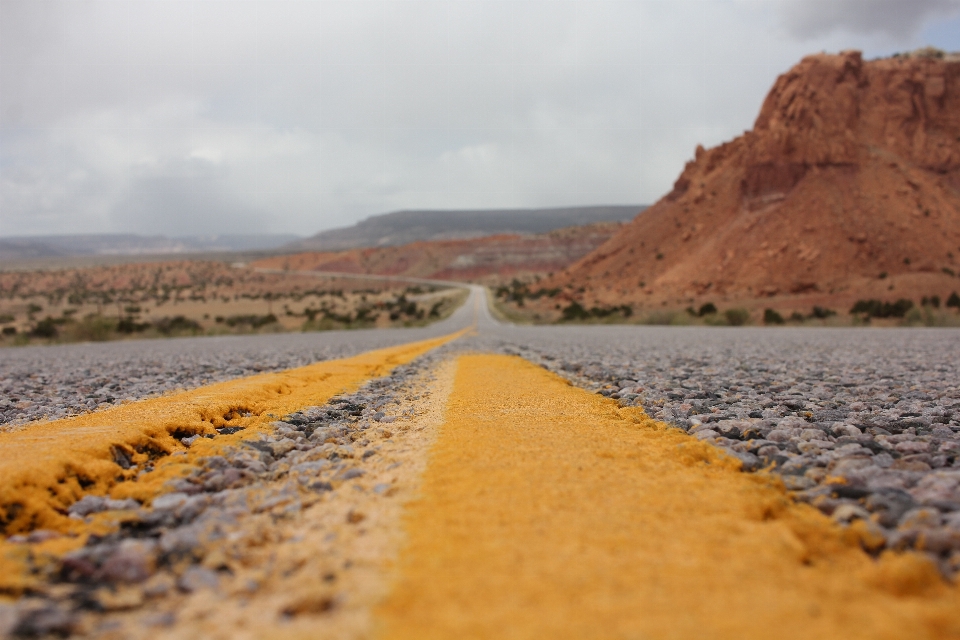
<point>848,185</point>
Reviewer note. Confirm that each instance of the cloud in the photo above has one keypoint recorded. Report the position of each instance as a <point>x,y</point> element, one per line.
<point>899,19</point>
<point>297,116</point>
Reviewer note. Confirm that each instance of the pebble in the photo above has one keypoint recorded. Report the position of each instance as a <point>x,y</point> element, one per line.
<point>195,578</point>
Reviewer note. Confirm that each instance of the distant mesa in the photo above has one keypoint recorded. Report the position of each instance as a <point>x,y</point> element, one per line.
<point>121,244</point>
<point>404,227</point>
<point>847,186</point>
<point>491,258</point>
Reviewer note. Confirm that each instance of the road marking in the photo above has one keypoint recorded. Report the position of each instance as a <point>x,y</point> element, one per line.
<point>549,512</point>
<point>48,466</point>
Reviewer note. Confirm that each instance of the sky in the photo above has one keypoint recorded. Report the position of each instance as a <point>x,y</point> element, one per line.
<point>278,116</point>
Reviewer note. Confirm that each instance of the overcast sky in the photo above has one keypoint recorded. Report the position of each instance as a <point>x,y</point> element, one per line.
<point>202,117</point>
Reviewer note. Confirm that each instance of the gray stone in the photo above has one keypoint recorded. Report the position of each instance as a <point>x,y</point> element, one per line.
<point>87,505</point>
<point>350,474</point>
<point>169,501</point>
<point>196,578</point>
<point>749,461</point>
<point>132,562</point>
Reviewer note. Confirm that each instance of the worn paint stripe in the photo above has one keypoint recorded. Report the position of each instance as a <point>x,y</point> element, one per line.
<point>549,512</point>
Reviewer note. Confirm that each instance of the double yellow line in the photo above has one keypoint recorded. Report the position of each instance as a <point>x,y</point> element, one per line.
<point>46,467</point>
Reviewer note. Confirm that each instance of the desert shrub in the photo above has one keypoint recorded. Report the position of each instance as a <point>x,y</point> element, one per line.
<point>772,317</point>
<point>737,317</point>
<point>6,318</point>
<point>9,331</point>
<point>877,309</point>
<point>822,313</point>
<point>129,325</point>
<point>574,311</point>
<point>707,309</point>
<point>366,315</point>
<point>953,300</point>
<point>46,328</point>
<point>796,316</point>
<point>252,320</point>
<point>932,301</point>
<point>400,307</point>
<point>93,328</point>
<point>177,324</point>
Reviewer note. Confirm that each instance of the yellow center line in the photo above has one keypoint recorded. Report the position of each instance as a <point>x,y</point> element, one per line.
<point>548,512</point>
<point>47,466</point>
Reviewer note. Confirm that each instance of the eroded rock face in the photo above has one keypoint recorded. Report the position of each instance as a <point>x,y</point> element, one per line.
<point>851,170</point>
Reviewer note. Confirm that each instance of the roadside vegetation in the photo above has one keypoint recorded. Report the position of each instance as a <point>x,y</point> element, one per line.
<point>190,299</point>
<point>526,302</point>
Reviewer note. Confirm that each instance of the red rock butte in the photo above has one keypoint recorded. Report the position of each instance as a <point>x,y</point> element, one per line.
<point>848,186</point>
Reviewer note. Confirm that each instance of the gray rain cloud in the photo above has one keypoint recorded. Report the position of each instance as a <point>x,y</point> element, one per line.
<point>895,18</point>
<point>284,116</point>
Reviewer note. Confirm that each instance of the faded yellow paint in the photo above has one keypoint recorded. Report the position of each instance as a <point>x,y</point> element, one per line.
<point>548,512</point>
<point>47,466</point>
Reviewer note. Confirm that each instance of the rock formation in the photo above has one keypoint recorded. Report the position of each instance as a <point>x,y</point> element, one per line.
<point>848,185</point>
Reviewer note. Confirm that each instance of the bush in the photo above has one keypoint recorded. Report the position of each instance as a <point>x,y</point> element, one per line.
<point>878,309</point>
<point>707,309</point>
<point>772,317</point>
<point>6,318</point>
<point>177,324</point>
<point>46,328</point>
<point>953,300</point>
<point>93,328</point>
<point>796,316</point>
<point>737,317</point>
<point>9,331</point>
<point>575,311</point>
<point>129,325</point>
<point>822,313</point>
<point>254,321</point>
<point>932,301</point>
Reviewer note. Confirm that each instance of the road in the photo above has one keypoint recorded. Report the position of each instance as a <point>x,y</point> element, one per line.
<point>481,479</point>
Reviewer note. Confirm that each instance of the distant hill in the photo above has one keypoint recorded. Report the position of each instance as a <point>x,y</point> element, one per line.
<point>115,244</point>
<point>404,227</point>
<point>491,258</point>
